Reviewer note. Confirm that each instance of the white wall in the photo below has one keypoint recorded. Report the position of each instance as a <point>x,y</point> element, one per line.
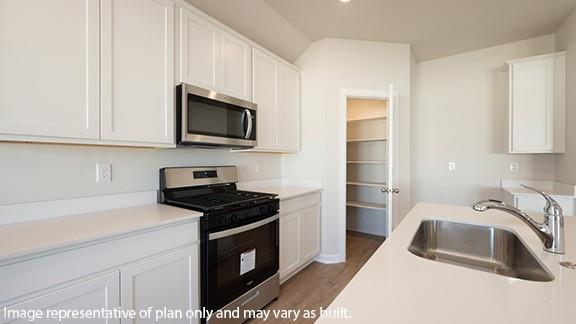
<point>328,66</point>
<point>36,172</point>
<point>460,115</point>
<point>566,40</point>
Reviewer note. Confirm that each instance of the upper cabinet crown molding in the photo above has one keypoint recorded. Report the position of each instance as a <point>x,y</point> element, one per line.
<point>537,104</point>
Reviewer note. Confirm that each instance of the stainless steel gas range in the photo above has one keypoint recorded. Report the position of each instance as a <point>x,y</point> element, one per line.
<point>239,236</point>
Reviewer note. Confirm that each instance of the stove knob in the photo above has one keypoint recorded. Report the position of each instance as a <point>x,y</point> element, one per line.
<point>262,210</point>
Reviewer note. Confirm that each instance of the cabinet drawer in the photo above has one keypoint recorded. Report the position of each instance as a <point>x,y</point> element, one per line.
<point>536,204</point>
<point>294,204</point>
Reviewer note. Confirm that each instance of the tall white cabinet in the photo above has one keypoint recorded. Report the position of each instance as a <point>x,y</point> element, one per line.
<point>49,68</point>
<point>537,104</point>
<point>138,70</point>
<point>276,88</point>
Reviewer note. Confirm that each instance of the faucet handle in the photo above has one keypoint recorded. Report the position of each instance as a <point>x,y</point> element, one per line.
<point>552,206</point>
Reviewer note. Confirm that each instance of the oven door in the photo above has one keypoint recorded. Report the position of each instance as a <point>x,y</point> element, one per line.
<point>238,259</point>
<point>209,118</point>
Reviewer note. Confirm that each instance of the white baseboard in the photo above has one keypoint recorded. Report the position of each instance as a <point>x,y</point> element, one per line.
<point>16,213</point>
<point>329,258</point>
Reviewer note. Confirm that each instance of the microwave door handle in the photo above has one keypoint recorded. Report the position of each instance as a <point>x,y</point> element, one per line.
<point>249,130</point>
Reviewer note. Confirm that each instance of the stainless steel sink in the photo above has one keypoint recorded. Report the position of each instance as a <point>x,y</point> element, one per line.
<point>483,248</point>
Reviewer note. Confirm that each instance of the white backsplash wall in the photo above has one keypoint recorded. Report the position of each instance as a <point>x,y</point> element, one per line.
<point>39,172</point>
<point>460,115</point>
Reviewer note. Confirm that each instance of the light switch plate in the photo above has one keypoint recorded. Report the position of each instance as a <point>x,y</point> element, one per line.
<point>103,172</point>
<point>451,166</point>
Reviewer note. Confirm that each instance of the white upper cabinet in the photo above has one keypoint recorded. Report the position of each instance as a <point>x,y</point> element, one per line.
<point>213,58</point>
<point>49,68</point>
<point>265,82</point>
<point>137,70</point>
<point>276,91</point>
<point>199,51</point>
<point>537,104</point>
<point>289,109</point>
<point>235,67</point>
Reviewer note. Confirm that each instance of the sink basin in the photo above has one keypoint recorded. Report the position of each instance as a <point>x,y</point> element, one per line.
<point>483,248</point>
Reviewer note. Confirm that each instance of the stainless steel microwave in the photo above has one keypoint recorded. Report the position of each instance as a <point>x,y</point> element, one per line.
<point>207,118</point>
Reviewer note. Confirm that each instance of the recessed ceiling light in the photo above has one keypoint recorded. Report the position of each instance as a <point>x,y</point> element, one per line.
<point>344,0</point>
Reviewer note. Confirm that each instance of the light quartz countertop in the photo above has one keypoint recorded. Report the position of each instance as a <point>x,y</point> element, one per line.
<point>37,237</point>
<point>553,188</point>
<point>285,189</point>
<point>554,192</point>
<point>395,286</point>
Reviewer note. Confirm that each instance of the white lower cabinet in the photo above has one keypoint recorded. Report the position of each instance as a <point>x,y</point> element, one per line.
<point>169,280</point>
<point>299,233</point>
<point>101,292</point>
<point>309,232</point>
<point>289,244</point>
<point>158,268</point>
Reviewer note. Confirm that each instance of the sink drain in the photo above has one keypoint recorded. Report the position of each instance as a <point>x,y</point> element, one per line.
<point>569,265</point>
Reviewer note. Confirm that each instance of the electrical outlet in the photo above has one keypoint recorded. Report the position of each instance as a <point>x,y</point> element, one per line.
<point>451,166</point>
<point>514,167</point>
<point>103,172</point>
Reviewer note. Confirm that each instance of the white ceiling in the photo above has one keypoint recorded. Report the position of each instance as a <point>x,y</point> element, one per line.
<point>435,28</point>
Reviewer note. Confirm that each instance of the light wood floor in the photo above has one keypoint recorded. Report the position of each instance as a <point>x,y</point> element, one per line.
<point>318,284</point>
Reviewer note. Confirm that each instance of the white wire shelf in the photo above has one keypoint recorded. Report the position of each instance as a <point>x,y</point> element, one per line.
<point>367,205</point>
<point>371,139</point>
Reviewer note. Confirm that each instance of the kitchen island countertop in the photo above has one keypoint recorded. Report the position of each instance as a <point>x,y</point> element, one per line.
<point>397,287</point>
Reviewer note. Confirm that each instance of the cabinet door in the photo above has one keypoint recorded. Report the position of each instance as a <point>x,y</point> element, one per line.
<point>170,280</point>
<point>309,233</point>
<point>532,106</point>
<point>265,95</point>
<point>289,109</point>
<point>49,63</point>
<point>137,70</point>
<point>235,67</point>
<point>199,51</point>
<point>102,292</point>
<point>289,244</point>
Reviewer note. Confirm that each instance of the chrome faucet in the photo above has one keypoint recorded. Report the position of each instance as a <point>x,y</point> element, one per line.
<point>551,231</point>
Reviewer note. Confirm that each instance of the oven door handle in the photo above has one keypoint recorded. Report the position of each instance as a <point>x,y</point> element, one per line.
<point>233,231</point>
